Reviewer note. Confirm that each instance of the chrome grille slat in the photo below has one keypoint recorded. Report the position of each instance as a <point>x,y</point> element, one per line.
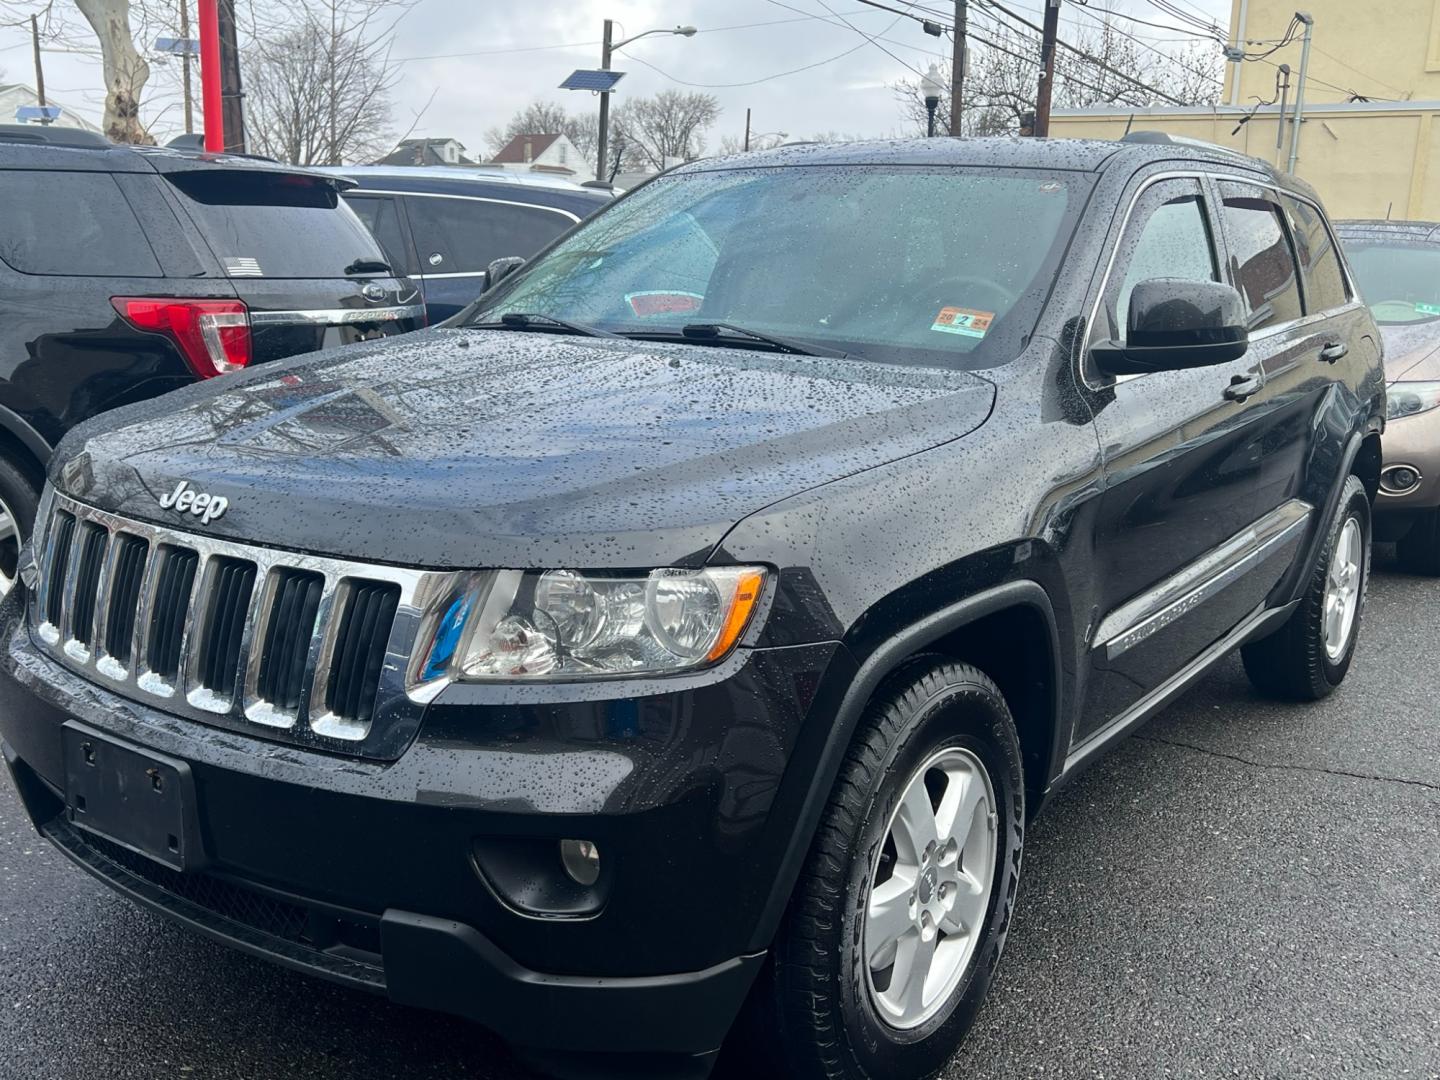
<point>133,585</point>
<point>74,649</point>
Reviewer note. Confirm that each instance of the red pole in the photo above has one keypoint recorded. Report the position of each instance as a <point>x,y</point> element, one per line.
<point>210,76</point>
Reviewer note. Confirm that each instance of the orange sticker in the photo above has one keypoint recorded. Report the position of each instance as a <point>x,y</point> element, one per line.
<point>959,320</point>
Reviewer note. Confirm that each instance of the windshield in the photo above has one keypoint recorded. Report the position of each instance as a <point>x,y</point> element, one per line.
<point>1400,282</point>
<point>946,267</point>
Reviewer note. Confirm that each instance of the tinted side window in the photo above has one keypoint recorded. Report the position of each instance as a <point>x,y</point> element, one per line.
<point>381,216</point>
<point>1261,262</point>
<point>1168,237</point>
<point>1324,283</point>
<point>77,224</point>
<point>468,235</point>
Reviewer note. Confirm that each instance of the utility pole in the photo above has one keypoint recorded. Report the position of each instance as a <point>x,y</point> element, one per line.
<point>39,71</point>
<point>210,76</point>
<point>1047,68</point>
<point>957,65</point>
<point>605,50</point>
<point>1309,21</point>
<point>185,66</point>
<point>747,131</point>
<point>232,98</point>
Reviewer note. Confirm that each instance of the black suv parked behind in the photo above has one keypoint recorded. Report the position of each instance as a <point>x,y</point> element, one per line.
<point>126,272</point>
<point>707,623</point>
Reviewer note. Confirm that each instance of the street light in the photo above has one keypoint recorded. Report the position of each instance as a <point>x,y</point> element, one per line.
<point>606,49</point>
<point>932,88</point>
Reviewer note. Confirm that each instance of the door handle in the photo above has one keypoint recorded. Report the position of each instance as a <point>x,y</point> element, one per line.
<point>1243,386</point>
<point>1333,351</point>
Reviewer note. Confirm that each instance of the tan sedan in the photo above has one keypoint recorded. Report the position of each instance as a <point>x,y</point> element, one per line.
<point>1397,267</point>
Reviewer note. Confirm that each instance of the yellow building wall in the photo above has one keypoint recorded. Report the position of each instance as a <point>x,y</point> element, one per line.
<point>1364,163</point>
<point>1377,48</point>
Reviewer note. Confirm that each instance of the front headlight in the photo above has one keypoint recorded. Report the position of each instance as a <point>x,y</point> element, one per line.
<point>1404,399</point>
<point>564,624</point>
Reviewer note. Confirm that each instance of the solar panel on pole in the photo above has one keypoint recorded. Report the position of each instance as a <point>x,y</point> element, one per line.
<point>601,82</point>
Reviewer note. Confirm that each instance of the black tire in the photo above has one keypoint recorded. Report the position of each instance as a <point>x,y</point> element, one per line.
<point>1292,664</point>
<point>1419,548</point>
<point>20,496</point>
<point>817,1017</point>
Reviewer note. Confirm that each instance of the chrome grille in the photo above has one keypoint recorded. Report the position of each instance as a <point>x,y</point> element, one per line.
<point>288,646</point>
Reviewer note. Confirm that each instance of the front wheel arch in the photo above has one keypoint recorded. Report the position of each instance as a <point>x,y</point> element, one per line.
<point>940,632</point>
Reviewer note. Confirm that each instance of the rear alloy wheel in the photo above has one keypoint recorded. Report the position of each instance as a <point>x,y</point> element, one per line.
<point>902,909</point>
<point>1309,655</point>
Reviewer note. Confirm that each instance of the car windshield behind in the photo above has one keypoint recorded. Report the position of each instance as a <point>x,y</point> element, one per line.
<point>1400,281</point>
<point>904,264</point>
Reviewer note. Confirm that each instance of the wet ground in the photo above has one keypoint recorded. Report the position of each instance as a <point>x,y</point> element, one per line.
<point>1242,890</point>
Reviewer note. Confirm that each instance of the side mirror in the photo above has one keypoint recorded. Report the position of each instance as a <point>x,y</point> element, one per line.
<point>1176,324</point>
<point>500,269</point>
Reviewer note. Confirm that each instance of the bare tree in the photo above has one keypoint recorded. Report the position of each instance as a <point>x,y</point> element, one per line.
<point>319,85</point>
<point>670,125</point>
<point>735,144</point>
<point>1005,70</point>
<point>546,118</point>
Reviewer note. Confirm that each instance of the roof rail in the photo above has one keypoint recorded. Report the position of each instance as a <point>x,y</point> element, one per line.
<point>46,135</point>
<point>1164,138</point>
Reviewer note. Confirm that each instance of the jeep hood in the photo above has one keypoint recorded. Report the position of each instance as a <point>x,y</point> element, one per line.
<point>462,448</point>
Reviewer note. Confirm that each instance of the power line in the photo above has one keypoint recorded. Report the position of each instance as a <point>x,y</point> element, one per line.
<point>866,36</point>
<point>908,14</point>
<point>752,82</point>
<point>1207,35</point>
<point>1101,64</point>
<point>1032,60</point>
<point>591,44</point>
<point>1356,70</point>
<point>1168,8</point>
<point>1144,44</point>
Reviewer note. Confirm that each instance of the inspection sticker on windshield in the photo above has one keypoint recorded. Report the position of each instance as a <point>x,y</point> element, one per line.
<point>655,302</point>
<point>1427,309</point>
<point>959,320</point>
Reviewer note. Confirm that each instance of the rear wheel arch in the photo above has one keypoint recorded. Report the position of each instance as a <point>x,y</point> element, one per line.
<point>970,631</point>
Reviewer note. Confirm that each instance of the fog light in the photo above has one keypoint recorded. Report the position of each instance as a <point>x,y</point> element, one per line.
<point>581,859</point>
<point>1399,478</point>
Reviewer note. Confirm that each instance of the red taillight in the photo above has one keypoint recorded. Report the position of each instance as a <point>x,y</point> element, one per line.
<point>213,335</point>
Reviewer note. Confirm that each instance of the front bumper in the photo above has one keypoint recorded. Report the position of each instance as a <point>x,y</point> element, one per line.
<point>1413,441</point>
<point>375,874</point>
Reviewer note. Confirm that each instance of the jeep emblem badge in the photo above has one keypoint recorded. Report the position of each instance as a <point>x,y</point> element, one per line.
<point>203,505</point>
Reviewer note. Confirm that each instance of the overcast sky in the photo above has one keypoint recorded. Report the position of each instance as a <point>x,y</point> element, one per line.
<point>483,59</point>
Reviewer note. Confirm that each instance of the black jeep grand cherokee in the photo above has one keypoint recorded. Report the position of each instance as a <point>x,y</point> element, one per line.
<point>701,616</point>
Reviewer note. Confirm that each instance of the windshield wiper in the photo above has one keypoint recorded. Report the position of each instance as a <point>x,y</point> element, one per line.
<point>531,320</point>
<point>712,331</point>
<point>368,266</point>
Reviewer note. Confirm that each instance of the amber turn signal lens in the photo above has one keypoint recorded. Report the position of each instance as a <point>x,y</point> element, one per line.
<point>742,606</point>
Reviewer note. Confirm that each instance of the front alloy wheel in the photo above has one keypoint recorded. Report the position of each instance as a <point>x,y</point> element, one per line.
<point>930,888</point>
<point>898,919</point>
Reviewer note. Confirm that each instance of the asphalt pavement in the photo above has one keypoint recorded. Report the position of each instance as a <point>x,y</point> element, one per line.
<point>1243,889</point>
